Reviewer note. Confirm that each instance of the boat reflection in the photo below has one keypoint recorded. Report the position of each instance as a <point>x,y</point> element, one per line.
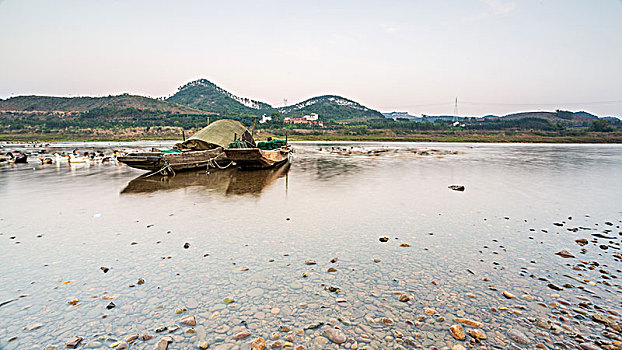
<point>225,182</point>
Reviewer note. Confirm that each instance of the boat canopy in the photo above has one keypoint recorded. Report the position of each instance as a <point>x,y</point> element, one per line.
<point>218,134</point>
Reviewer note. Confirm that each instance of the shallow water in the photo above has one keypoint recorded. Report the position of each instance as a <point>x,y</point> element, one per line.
<point>250,234</point>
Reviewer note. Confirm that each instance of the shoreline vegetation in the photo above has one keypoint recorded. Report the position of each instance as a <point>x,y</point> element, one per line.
<point>497,136</point>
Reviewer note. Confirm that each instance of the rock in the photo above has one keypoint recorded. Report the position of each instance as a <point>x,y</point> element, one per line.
<point>404,297</point>
<point>383,239</point>
<point>258,344</point>
<point>188,320</point>
<point>508,295</point>
<point>32,327</point>
<point>457,332</point>
<point>554,287</point>
<point>476,333</point>
<point>140,281</point>
<point>589,346</point>
<point>581,241</point>
<point>602,319</point>
<point>334,260</point>
<point>228,300</point>
<point>242,334</point>
<point>111,305</point>
<point>310,262</point>
<point>332,269</point>
<point>105,269</point>
<point>543,323</point>
<point>145,336</point>
<point>335,335</point>
<point>186,245</point>
<point>203,345</point>
<point>377,260</point>
<point>73,342</point>
<point>564,254</point>
<point>163,343</point>
<point>122,345</point>
<point>405,245</point>
<point>130,338</point>
<point>468,322</point>
<point>518,337</point>
<point>458,347</point>
<point>457,187</point>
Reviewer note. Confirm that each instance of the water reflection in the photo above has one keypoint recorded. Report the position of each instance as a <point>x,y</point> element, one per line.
<point>223,182</point>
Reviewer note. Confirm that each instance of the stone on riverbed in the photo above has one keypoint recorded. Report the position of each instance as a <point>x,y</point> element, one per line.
<point>543,323</point>
<point>564,254</point>
<point>457,332</point>
<point>589,346</point>
<point>32,327</point>
<point>188,320</point>
<point>73,342</point>
<point>509,295</point>
<point>468,322</point>
<point>518,337</point>
<point>310,262</point>
<point>258,344</point>
<point>242,334</point>
<point>335,335</point>
<point>163,343</point>
<point>476,333</point>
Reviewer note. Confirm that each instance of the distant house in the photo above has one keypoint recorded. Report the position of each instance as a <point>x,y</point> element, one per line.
<point>264,118</point>
<point>310,119</point>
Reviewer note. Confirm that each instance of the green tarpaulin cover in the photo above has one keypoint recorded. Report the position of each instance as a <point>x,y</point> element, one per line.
<point>218,134</point>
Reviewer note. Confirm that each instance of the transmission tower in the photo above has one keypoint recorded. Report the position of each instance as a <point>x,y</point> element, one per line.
<point>456,109</point>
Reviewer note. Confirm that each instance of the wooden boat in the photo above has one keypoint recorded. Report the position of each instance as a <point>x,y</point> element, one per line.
<point>169,163</point>
<point>205,149</point>
<point>267,154</point>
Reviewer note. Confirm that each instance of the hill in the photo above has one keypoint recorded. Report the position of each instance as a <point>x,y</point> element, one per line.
<point>331,107</point>
<point>207,96</point>
<point>35,104</point>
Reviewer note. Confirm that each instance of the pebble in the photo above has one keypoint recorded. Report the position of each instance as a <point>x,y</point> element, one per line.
<point>518,337</point>
<point>73,342</point>
<point>242,334</point>
<point>509,295</point>
<point>258,344</point>
<point>457,332</point>
<point>188,320</point>
<point>335,335</point>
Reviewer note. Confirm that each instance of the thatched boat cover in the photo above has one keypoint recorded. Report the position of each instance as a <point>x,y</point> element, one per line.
<point>218,134</point>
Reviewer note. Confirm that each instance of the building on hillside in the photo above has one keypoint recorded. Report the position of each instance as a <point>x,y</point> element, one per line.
<point>264,118</point>
<point>312,116</point>
<point>304,120</point>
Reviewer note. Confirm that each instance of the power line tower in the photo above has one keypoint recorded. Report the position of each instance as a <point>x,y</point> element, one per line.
<point>455,109</point>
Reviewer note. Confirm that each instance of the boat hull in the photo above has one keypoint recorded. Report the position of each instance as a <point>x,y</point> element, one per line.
<point>190,160</point>
<point>255,158</point>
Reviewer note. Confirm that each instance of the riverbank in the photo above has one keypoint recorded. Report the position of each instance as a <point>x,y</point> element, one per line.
<point>424,136</point>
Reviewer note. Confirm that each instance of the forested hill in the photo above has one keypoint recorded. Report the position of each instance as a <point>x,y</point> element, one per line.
<point>84,104</point>
<point>207,96</point>
<point>331,107</point>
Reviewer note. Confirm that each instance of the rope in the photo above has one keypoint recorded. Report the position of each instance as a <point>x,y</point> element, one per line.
<point>166,168</point>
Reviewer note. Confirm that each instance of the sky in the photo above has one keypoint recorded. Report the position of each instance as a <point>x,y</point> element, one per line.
<point>418,56</point>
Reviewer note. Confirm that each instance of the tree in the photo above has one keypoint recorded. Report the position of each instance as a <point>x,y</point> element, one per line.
<point>601,125</point>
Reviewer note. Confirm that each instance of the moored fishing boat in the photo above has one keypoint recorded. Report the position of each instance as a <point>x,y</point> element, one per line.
<point>205,149</point>
<point>265,155</point>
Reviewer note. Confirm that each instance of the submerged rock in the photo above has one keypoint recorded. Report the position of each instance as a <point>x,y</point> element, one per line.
<point>518,337</point>
<point>564,254</point>
<point>73,342</point>
<point>457,332</point>
<point>335,335</point>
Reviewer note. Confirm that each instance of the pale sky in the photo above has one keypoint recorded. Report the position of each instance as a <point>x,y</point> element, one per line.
<point>495,56</point>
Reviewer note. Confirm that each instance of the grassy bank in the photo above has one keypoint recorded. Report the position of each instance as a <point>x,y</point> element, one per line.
<point>429,136</point>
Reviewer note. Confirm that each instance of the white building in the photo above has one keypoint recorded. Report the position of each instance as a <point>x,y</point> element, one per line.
<point>264,118</point>
<point>312,116</point>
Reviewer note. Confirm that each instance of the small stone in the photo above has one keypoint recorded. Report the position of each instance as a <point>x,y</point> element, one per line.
<point>244,268</point>
<point>458,347</point>
<point>105,269</point>
<point>334,260</point>
<point>468,322</point>
<point>404,297</point>
<point>456,187</point>
<point>188,320</point>
<point>457,332</point>
<point>186,245</point>
<point>163,343</point>
<point>242,334</point>
<point>383,239</point>
<point>581,241</point>
<point>203,345</point>
<point>258,344</point>
<point>543,323</point>
<point>73,342</point>
<point>377,260</point>
<point>130,338</point>
<point>476,333</point>
<point>146,336</point>
<point>589,346</point>
<point>508,295</point>
<point>518,337</point>
<point>310,262</point>
<point>140,281</point>
<point>335,335</point>
<point>405,245</point>
<point>73,301</point>
<point>228,300</point>
<point>564,254</point>
<point>111,305</point>
<point>332,269</point>
<point>32,327</point>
